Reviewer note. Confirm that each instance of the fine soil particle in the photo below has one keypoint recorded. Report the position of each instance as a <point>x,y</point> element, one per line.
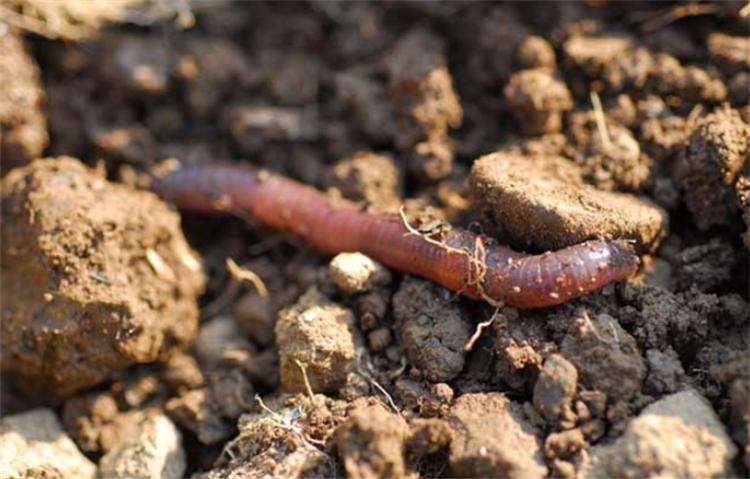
<point>315,336</point>
<point>432,330</point>
<point>371,443</point>
<point>33,444</point>
<point>709,164</point>
<point>22,123</point>
<point>650,445</point>
<point>96,277</point>
<point>478,450</point>
<point>541,202</point>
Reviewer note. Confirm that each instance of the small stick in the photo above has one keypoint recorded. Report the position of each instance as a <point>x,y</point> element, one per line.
<point>478,331</point>
<point>245,274</point>
<point>601,122</point>
<point>677,13</point>
<point>308,387</point>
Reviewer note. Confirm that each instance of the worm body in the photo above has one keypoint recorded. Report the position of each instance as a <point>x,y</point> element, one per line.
<point>471,264</point>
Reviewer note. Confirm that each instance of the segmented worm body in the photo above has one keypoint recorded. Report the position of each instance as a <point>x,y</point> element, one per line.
<point>471,264</point>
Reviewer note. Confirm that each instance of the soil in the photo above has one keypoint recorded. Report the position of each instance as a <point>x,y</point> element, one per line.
<point>539,124</point>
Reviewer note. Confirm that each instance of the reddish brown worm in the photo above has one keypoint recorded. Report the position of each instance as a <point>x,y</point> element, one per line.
<point>473,265</point>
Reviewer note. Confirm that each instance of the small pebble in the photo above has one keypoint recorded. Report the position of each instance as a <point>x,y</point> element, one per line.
<point>357,273</point>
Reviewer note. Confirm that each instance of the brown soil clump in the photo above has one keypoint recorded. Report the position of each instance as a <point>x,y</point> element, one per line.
<point>316,341</point>
<point>432,331</point>
<point>710,163</point>
<point>33,445</point>
<point>555,389</point>
<point>538,99</point>
<point>96,277</point>
<point>24,128</point>
<point>369,177</point>
<point>542,202</point>
<point>371,444</point>
<point>606,356</point>
<point>651,446</point>
<point>491,438</point>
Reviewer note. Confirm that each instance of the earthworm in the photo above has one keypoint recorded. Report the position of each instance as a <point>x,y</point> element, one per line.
<point>471,264</point>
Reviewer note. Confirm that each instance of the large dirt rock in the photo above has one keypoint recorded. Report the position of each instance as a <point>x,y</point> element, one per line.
<point>96,277</point>
<point>542,202</point>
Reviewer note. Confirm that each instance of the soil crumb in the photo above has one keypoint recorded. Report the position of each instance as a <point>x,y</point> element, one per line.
<point>316,344</point>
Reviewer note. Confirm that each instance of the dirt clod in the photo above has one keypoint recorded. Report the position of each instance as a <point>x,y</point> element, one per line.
<point>432,331</point>
<point>315,335</point>
<point>95,422</point>
<point>709,164</point>
<point>650,446</point>
<point>555,388</point>
<point>730,52</point>
<point>542,202</point>
<point>538,99</point>
<point>96,277</point>
<point>665,373</point>
<point>606,356</point>
<point>155,451</point>
<point>426,103</point>
<point>369,177</point>
<point>535,52</point>
<point>24,128</point>
<point>277,445</point>
<point>477,450</point>
<point>33,444</point>
<point>371,444</point>
<point>217,339</point>
<point>196,411</point>
<point>256,317</point>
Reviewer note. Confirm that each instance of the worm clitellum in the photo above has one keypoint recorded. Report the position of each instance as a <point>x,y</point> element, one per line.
<point>471,264</point>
